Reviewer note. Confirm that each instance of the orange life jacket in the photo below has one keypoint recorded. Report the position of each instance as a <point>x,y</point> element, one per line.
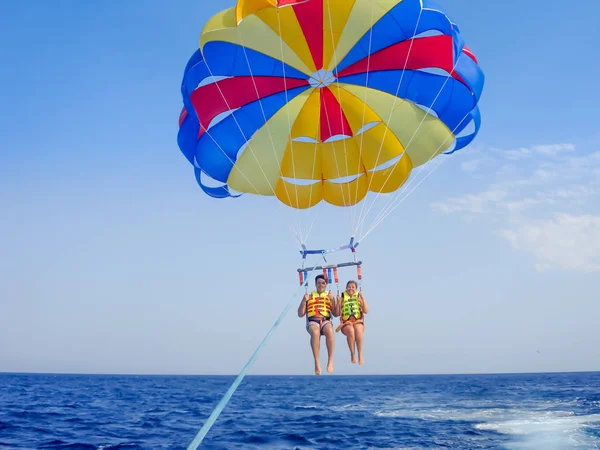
<point>318,305</point>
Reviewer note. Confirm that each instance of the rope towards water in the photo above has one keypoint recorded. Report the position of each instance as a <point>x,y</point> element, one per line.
<point>221,405</point>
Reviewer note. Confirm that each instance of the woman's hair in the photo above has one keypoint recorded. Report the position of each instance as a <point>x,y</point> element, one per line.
<point>351,282</point>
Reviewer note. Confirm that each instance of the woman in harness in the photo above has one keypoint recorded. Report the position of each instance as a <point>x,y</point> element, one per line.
<point>352,307</point>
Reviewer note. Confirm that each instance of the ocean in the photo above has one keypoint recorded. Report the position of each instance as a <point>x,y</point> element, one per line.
<point>106,412</point>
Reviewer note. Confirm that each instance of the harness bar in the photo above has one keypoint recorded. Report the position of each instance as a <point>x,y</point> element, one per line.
<point>351,245</point>
<point>330,266</point>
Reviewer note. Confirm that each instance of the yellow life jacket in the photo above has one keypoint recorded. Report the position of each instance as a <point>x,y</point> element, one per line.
<point>351,306</point>
<point>318,305</point>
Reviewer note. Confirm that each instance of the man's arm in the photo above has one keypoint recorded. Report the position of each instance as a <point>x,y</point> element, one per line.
<point>334,304</point>
<point>302,307</point>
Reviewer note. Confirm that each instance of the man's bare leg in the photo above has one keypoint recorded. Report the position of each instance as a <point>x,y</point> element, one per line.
<point>348,331</point>
<point>359,329</point>
<point>315,342</point>
<point>329,341</point>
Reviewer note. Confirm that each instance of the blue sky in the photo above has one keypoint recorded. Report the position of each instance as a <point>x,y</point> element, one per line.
<point>115,262</point>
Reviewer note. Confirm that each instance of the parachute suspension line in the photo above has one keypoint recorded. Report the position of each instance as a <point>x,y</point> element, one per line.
<point>337,279</point>
<point>347,185</point>
<point>352,219</point>
<point>312,223</point>
<point>394,196</point>
<point>404,187</point>
<point>362,135</point>
<point>310,192</point>
<point>335,156</point>
<point>240,36</point>
<point>289,119</point>
<point>391,207</point>
<point>225,399</point>
<point>296,233</point>
<point>364,214</point>
<point>303,236</point>
<point>382,214</point>
<point>358,267</point>
<point>241,132</point>
<point>310,211</point>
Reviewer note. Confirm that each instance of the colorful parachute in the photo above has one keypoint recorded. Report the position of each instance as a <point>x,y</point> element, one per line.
<point>312,100</point>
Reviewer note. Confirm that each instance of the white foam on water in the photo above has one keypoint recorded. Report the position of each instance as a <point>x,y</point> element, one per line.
<point>549,430</point>
<point>531,429</point>
<point>550,424</point>
<point>396,448</point>
<point>442,414</point>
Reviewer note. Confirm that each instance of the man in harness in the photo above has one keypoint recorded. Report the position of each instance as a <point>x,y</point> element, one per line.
<point>319,306</point>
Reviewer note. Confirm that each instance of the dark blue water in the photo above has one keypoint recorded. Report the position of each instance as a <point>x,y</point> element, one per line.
<point>541,411</point>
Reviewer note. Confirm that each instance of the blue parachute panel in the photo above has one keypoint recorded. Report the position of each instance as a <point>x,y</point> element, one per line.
<point>217,149</point>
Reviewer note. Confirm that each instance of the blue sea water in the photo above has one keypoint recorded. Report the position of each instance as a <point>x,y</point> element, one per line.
<point>107,412</point>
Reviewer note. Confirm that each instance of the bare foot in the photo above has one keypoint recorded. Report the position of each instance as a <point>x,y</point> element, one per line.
<point>317,369</point>
<point>330,366</point>
<point>353,358</point>
<point>361,360</point>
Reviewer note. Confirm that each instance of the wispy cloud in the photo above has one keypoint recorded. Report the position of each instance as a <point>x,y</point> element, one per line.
<point>553,149</point>
<point>472,165</point>
<point>566,241</point>
<point>481,203</point>
<point>543,198</point>
<point>534,150</point>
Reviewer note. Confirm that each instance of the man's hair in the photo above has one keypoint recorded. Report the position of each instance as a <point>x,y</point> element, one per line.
<point>321,277</point>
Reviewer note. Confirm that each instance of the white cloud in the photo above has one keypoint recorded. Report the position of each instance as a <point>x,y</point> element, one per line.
<point>566,241</point>
<point>545,197</point>
<point>553,149</point>
<point>481,203</point>
<point>526,203</point>
<point>534,150</point>
<point>471,166</point>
